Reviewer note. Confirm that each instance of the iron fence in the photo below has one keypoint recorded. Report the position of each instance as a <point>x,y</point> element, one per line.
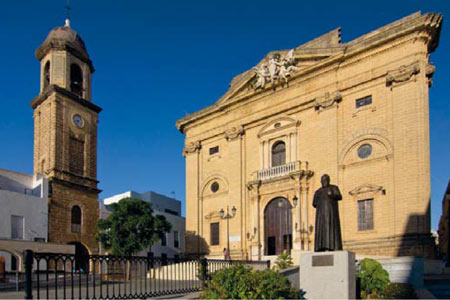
<point>66,276</point>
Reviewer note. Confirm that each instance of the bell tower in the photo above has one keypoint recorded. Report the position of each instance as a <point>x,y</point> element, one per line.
<point>65,138</point>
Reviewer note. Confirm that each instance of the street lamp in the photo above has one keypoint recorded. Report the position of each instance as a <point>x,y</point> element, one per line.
<point>228,217</point>
<point>295,201</point>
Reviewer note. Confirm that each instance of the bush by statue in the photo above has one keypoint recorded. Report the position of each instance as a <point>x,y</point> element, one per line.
<point>242,282</point>
<point>284,261</point>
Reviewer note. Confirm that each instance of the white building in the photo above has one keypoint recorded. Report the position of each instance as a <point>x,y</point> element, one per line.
<point>174,243</point>
<point>23,213</point>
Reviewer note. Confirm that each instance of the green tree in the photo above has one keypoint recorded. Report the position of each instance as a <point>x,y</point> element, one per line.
<point>131,227</point>
<point>374,278</point>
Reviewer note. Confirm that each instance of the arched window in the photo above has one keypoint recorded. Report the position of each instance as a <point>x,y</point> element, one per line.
<point>47,74</point>
<point>76,80</point>
<point>278,154</point>
<point>76,219</point>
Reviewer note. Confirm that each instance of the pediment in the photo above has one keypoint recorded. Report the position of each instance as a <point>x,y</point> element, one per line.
<point>278,124</point>
<point>366,189</point>
<point>277,68</point>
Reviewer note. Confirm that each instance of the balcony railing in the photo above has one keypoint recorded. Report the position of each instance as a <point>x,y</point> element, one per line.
<point>278,171</point>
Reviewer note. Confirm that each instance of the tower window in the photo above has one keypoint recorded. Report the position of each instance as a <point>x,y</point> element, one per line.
<point>76,219</point>
<point>76,163</point>
<point>47,75</point>
<point>76,80</point>
<point>278,154</point>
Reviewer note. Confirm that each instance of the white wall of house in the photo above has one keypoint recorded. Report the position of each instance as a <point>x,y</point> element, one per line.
<point>170,249</point>
<point>23,201</point>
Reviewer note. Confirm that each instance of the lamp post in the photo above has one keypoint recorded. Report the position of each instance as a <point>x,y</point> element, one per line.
<point>228,217</point>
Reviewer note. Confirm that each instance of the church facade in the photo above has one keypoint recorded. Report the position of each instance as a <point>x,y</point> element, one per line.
<point>357,111</point>
<point>65,139</point>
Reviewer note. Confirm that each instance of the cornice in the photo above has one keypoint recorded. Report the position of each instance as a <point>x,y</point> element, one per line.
<point>43,50</point>
<point>68,179</point>
<point>429,24</point>
<point>52,89</point>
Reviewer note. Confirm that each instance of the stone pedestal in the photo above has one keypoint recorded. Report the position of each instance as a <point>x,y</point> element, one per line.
<point>328,275</point>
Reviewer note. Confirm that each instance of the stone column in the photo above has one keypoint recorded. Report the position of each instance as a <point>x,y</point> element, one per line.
<point>288,148</point>
<point>236,189</point>
<point>261,155</point>
<point>192,154</point>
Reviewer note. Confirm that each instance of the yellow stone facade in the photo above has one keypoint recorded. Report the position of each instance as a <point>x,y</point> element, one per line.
<point>65,138</point>
<point>315,114</point>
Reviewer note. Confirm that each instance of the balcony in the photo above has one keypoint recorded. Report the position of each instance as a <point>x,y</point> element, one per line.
<point>283,170</point>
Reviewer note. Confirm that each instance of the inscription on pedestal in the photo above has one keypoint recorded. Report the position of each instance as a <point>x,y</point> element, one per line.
<point>322,261</point>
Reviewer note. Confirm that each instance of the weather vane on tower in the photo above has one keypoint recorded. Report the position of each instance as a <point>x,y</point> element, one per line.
<point>67,24</point>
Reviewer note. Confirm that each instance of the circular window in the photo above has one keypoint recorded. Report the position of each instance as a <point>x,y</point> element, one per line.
<point>364,151</point>
<point>214,186</point>
<point>277,125</point>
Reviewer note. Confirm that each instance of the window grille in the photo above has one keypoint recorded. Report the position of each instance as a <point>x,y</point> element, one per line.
<point>365,214</point>
<point>215,234</point>
<point>76,152</point>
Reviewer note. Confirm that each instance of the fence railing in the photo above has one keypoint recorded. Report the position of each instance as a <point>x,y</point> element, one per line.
<point>13,280</point>
<point>62,276</point>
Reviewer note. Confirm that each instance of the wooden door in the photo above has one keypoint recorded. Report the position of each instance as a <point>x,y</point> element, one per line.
<point>277,226</point>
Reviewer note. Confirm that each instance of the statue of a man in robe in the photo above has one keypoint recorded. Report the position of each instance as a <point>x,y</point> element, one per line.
<point>328,227</point>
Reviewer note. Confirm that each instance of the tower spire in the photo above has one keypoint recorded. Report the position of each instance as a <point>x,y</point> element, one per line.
<point>67,22</point>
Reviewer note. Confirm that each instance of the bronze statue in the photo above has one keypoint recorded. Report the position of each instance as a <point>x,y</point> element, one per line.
<point>328,227</point>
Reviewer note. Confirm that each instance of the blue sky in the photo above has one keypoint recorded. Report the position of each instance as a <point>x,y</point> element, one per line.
<point>156,61</point>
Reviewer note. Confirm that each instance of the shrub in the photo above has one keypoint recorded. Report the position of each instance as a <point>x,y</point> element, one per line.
<point>399,291</point>
<point>374,278</point>
<point>284,261</point>
<point>241,282</point>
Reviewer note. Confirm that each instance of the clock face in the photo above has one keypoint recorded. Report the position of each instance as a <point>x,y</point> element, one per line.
<point>78,120</point>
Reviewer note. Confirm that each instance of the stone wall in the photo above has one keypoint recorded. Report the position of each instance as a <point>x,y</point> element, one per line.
<point>316,116</point>
<point>62,199</point>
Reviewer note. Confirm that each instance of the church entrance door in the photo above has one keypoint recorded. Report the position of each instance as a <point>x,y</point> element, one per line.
<point>277,226</point>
